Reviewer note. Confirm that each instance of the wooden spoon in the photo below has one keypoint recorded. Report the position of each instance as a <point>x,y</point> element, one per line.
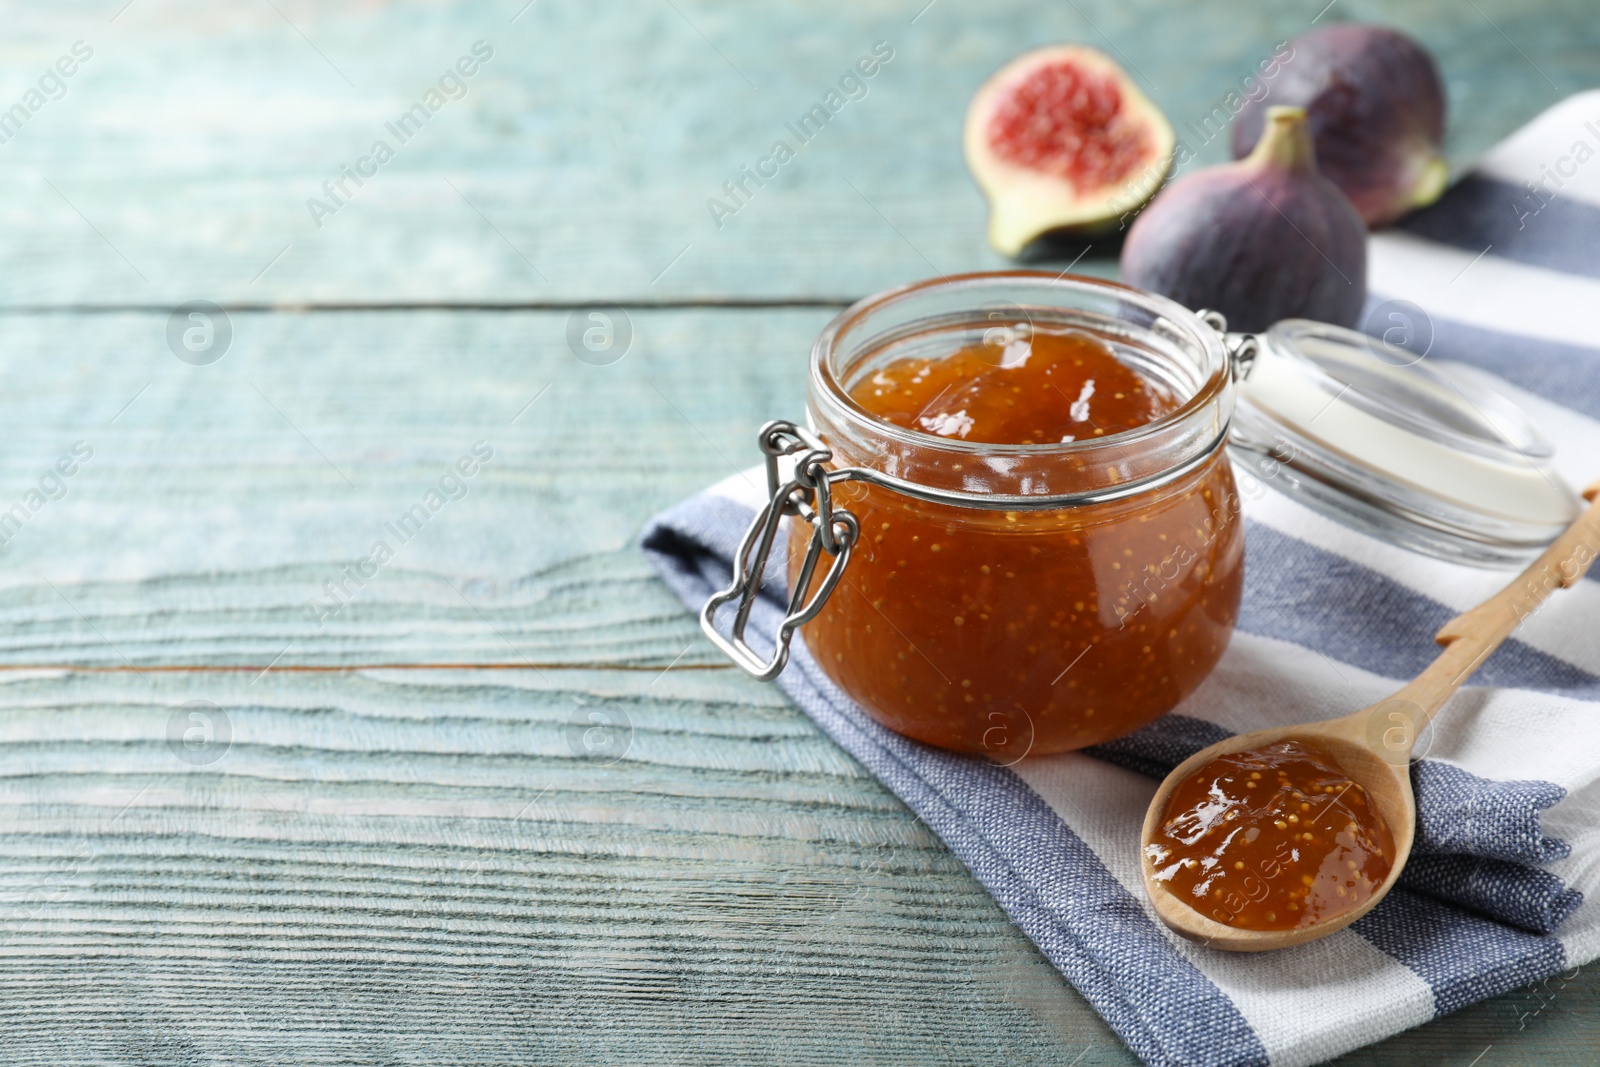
<point>1373,746</point>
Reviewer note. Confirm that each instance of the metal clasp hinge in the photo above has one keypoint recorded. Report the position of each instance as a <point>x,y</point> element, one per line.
<point>1242,347</point>
<point>806,493</point>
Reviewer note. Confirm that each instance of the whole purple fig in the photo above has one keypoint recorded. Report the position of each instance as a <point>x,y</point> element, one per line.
<point>1377,115</point>
<point>1263,239</point>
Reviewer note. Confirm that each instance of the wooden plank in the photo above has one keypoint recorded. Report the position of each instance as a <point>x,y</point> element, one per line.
<point>220,500</point>
<point>578,167</point>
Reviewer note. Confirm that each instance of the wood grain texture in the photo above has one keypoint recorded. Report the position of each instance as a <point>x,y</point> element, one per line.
<point>426,866</point>
<point>222,498</point>
<point>420,871</point>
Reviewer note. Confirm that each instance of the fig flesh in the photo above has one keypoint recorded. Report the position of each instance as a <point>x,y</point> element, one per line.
<point>1061,140</point>
<point>1262,239</point>
<point>1377,111</point>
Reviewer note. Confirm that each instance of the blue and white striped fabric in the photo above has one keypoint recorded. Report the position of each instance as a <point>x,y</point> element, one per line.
<point>1502,890</point>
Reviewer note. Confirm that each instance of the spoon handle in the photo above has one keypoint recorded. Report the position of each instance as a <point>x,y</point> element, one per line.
<point>1470,637</point>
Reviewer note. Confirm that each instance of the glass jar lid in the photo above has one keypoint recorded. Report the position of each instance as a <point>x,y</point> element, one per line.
<point>1427,456</point>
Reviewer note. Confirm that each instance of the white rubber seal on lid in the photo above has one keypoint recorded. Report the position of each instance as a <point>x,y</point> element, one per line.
<point>1426,455</point>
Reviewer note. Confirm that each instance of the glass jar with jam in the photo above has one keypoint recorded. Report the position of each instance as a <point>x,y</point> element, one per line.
<point>1014,527</point>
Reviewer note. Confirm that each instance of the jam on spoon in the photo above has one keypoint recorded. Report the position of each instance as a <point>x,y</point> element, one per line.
<point>1271,839</point>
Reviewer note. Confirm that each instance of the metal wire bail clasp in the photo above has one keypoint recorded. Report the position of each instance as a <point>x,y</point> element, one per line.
<point>1242,347</point>
<point>808,494</point>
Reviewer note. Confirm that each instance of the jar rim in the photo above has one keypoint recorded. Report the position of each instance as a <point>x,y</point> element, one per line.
<point>1218,370</point>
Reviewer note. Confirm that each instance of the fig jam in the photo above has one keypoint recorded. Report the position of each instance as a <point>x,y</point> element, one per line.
<point>1271,840</point>
<point>1027,632</point>
<point>1050,388</point>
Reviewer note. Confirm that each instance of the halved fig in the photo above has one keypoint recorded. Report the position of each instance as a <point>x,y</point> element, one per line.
<point>1061,140</point>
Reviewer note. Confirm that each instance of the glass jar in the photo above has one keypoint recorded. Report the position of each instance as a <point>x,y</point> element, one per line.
<point>1005,599</point>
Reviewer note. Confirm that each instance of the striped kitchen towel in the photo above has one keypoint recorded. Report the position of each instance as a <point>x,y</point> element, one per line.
<point>1502,889</point>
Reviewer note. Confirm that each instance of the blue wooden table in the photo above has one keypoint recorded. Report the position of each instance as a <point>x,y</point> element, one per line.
<point>269,794</point>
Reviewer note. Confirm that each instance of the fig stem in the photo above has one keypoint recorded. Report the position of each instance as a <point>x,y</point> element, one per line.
<point>1285,142</point>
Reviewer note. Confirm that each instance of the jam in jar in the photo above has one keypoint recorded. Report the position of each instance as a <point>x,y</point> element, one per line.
<point>1049,552</point>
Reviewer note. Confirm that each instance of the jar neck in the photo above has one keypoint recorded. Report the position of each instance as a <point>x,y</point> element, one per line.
<point>1169,341</point>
